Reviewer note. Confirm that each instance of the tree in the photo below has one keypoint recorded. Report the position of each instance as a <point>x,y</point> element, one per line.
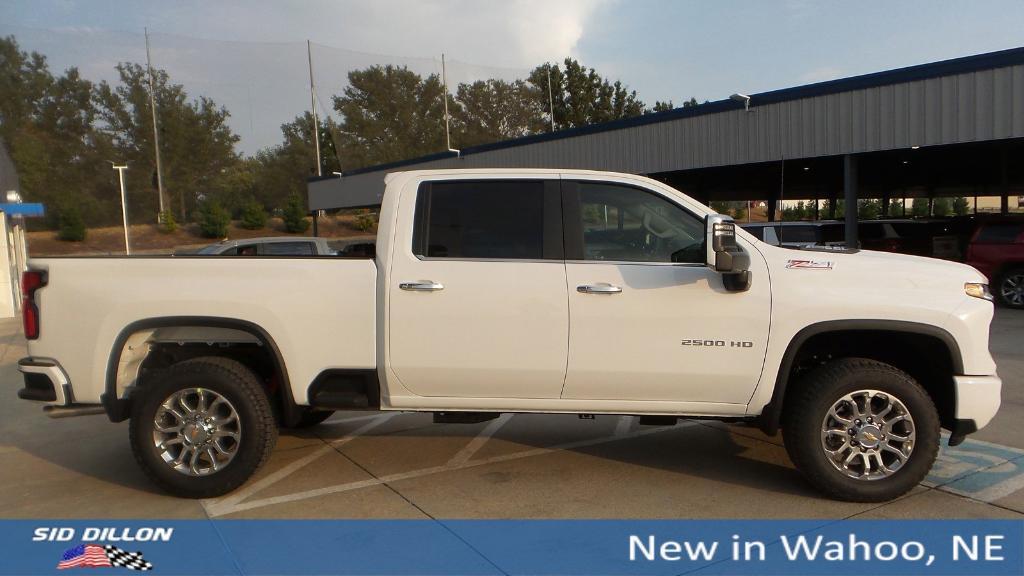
<point>167,222</point>
<point>896,208</point>
<point>213,219</point>
<point>799,211</point>
<point>869,209</point>
<point>941,207</point>
<point>389,113</point>
<point>582,97</point>
<point>281,171</point>
<point>840,211</point>
<point>47,121</point>
<point>254,217</point>
<point>919,208</point>
<point>295,221</point>
<point>196,144</point>
<point>660,106</point>
<point>960,206</point>
<point>492,110</point>
<point>72,227</point>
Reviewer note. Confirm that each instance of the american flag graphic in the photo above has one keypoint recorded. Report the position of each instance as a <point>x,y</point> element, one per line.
<point>96,556</point>
<point>85,555</point>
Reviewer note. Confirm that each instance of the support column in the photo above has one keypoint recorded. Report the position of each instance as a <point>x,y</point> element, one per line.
<point>1004,188</point>
<point>850,199</point>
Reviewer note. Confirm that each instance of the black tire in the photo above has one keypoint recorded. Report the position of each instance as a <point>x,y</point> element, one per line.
<point>1009,282</point>
<point>808,404</point>
<point>312,418</point>
<point>235,383</point>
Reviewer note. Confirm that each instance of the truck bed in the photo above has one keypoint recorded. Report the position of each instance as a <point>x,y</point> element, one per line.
<point>320,312</point>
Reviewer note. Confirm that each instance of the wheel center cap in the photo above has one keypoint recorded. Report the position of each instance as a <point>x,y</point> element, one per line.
<point>196,433</point>
<point>869,436</point>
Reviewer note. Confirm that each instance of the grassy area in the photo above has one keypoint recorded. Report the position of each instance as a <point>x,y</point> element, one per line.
<point>147,239</point>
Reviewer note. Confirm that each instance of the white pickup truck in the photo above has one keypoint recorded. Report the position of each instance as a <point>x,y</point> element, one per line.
<point>497,291</point>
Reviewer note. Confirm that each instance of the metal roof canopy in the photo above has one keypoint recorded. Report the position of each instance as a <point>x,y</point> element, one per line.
<point>972,99</point>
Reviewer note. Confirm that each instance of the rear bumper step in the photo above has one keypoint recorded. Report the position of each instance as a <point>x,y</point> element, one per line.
<point>45,381</point>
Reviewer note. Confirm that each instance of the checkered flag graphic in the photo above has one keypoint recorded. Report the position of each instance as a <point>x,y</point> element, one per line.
<point>129,560</point>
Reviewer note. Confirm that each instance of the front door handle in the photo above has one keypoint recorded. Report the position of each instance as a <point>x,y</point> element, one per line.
<point>602,288</point>
<point>421,286</point>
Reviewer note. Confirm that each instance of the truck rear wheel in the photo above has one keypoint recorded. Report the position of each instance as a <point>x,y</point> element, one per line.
<point>861,430</point>
<point>203,427</point>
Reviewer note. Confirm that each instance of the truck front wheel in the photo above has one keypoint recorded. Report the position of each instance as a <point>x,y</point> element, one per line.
<point>203,427</point>
<point>861,430</point>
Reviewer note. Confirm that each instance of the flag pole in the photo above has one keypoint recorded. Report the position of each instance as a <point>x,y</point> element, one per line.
<point>551,101</point>
<point>156,132</point>
<point>312,103</point>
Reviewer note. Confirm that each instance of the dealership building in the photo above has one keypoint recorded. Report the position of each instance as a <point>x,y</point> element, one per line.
<point>947,129</point>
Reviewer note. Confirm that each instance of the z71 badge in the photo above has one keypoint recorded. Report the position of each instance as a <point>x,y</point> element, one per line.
<point>809,264</point>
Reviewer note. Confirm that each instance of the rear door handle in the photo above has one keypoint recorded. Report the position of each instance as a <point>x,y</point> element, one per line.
<point>601,288</point>
<point>421,286</point>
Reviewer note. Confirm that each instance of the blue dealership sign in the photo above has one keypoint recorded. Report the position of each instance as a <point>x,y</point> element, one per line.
<point>28,209</point>
<point>537,547</point>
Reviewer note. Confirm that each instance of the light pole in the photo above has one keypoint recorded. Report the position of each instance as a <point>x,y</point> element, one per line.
<point>124,205</point>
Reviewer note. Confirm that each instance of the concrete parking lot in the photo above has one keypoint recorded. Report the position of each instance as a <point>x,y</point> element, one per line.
<point>400,465</point>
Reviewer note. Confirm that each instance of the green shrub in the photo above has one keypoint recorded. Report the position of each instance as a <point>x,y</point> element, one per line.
<point>167,223</point>
<point>254,216</point>
<point>213,220</point>
<point>294,216</point>
<point>366,221</point>
<point>71,226</point>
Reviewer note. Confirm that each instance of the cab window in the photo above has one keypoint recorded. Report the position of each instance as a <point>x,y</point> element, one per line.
<point>626,224</point>
<point>489,219</point>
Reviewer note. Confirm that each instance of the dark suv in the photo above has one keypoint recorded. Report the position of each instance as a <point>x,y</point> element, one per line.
<point>997,251</point>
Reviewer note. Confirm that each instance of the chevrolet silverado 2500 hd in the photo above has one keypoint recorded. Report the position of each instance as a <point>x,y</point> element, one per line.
<point>497,291</point>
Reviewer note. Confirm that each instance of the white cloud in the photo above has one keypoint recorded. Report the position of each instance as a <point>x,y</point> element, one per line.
<point>514,33</point>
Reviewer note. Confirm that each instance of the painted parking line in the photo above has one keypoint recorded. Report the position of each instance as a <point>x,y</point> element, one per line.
<point>225,507</point>
<point>214,506</point>
<point>978,470</point>
<point>477,443</point>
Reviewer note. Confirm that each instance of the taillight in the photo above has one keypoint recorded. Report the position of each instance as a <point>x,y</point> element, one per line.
<point>31,281</point>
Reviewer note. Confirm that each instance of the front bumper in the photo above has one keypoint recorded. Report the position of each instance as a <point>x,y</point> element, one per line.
<point>977,401</point>
<point>45,381</point>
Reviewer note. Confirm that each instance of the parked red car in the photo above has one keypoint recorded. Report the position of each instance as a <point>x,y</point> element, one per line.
<point>997,250</point>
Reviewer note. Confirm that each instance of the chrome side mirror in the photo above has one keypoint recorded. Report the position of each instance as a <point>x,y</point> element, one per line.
<point>724,255</point>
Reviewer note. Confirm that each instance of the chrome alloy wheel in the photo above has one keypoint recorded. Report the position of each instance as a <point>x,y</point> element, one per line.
<point>1012,289</point>
<point>196,431</point>
<point>868,435</point>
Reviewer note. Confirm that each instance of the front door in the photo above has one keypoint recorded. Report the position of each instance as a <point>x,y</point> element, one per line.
<point>649,321</point>
<point>478,300</point>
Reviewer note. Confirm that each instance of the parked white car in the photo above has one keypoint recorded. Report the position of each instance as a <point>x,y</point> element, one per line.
<point>270,246</point>
<point>494,291</point>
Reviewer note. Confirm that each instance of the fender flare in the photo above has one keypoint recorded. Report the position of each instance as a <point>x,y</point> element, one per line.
<point>771,414</point>
<point>119,409</point>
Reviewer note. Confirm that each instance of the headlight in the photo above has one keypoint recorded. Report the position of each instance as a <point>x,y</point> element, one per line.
<point>978,290</point>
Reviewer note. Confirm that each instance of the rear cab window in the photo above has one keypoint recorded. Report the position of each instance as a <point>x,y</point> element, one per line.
<point>488,219</point>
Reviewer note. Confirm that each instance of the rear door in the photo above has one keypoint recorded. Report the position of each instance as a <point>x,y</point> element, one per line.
<point>649,321</point>
<point>478,302</point>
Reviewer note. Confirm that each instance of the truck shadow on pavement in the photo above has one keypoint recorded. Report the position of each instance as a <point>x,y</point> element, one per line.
<point>608,457</point>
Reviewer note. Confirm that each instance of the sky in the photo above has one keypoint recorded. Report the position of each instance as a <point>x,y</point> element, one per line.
<point>250,56</point>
